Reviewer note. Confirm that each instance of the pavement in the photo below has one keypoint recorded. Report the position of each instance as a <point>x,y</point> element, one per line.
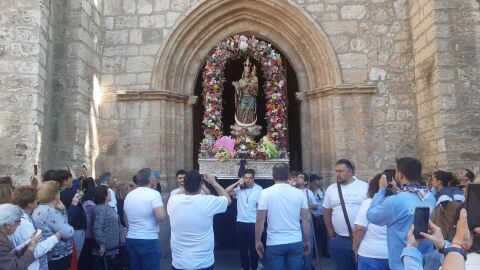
<point>229,259</point>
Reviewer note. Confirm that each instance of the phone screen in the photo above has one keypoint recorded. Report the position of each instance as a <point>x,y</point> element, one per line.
<point>473,201</point>
<point>83,184</point>
<point>156,174</point>
<point>390,173</point>
<point>420,221</point>
<point>35,170</point>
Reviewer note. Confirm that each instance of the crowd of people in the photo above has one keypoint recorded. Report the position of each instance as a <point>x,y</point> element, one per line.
<point>71,221</point>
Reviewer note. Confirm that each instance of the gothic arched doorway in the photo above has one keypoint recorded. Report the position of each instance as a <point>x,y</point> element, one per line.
<point>233,71</point>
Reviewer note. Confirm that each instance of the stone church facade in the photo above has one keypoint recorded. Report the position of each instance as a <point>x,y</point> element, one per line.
<point>111,83</point>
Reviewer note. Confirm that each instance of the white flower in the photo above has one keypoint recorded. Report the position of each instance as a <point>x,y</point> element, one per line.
<point>243,46</point>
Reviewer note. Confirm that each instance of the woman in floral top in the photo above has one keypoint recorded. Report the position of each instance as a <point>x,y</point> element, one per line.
<point>50,217</point>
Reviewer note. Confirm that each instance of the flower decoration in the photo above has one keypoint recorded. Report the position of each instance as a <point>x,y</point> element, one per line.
<point>236,47</point>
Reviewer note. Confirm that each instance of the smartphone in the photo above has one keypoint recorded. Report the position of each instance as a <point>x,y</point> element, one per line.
<point>85,168</point>
<point>156,174</point>
<point>473,201</point>
<point>420,221</point>
<point>390,174</point>
<point>35,169</point>
<point>83,184</point>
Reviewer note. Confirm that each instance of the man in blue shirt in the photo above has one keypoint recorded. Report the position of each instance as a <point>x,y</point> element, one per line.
<point>397,211</point>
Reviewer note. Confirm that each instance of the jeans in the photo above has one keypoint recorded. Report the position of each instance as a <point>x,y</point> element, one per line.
<point>144,253</point>
<point>321,236</point>
<point>307,259</point>
<point>208,268</point>
<point>342,253</point>
<point>79,238</point>
<point>366,263</point>
<point>246,244</point>
<point>286,256</point>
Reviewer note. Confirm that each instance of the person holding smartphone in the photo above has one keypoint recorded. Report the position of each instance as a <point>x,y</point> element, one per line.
<point>246,192</point>
<point>397,212</point>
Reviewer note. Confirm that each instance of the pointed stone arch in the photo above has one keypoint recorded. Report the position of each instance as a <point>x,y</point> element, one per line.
<point>280,22</point>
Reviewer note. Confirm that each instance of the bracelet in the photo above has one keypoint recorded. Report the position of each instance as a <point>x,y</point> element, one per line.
<point>461,245</point>
<point>455,249</point>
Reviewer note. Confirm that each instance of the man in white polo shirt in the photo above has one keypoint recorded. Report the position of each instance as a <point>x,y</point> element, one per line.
<point>191,222</point>
<point>180,175</point>
<point>143,209</point>
<point>283,206</point>
<point>247,193</point>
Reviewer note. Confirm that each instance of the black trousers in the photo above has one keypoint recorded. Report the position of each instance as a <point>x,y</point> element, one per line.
<point>246,244</point>
<point>62,264</point>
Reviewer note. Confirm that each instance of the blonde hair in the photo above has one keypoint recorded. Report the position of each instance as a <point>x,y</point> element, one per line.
<point>6,193</point>
<point>122,190</point>
<point>47,191</point>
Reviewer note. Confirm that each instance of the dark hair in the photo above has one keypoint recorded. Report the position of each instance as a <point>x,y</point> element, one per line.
<point>24,195</point>
<point>294,173</point>
<point>410,167</point>
<point>373,185</point>
<point>48,175</point>
<point>305,176</point>
<point>105,177</point>
<point>470,175</point>
<point>134,179</point>
<point>7,180</point>
<point>61,176</point>
<point>180,172</point>
<point>90,191</point>
<point>314,177</point>
<point>250,171</point>
<point>349,164</point>
<point>101,193</point>
<point>192,181</point>
<point>280,172</point>
<point>143,177</point>
<point>445,177</point>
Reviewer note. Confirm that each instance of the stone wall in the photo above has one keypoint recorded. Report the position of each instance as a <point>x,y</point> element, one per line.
<point>446,73</point>
<point>24,48</point>
<point>393,78</point>
<point>72,133</point>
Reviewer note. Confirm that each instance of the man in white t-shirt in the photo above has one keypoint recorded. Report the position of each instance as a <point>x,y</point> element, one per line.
<point>191,222</point>
<point>283,206</point>
<point>340,233</point>
<point>143,209</point>
<point>247,193</point>
<point>180,178</point>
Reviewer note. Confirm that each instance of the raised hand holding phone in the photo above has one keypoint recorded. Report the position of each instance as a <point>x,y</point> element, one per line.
<point>420,221</point>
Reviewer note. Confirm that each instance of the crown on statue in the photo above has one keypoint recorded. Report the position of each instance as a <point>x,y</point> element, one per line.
<point>247,64</point>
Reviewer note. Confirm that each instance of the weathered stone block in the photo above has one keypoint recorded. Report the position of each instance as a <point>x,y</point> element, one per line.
<point>125,79</point>
<point>172,18</point>
<point>157,21</point>
<point>126,22</point>
<point>144,7</point>
<point>161,5</point>
<point>353,60</point>
<point>116,37</point>
<point>139,64</point>
<point>123,50</point>
<point>112,7</point>
<point>136,36</point>
<point>333,28</point>
<point>353,12</point>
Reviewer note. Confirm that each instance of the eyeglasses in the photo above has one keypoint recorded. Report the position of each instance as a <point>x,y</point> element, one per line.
<point>18,221</point>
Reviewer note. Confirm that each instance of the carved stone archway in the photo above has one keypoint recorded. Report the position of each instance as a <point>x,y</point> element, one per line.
<point>279,22</point>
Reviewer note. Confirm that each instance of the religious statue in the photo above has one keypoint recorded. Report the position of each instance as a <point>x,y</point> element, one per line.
<point>246,91</point>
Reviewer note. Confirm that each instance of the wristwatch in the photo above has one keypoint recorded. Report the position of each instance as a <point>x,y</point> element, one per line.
<point>455,249</point>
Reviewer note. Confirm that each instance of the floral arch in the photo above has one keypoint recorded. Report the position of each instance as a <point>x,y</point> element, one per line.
<point>237,47</point>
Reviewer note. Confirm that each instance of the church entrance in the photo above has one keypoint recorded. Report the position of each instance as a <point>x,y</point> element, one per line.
<point>224,224</point>
<point>233,72</point>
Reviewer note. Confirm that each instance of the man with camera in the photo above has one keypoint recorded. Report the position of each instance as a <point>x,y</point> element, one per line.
<point>397,212</point>
<point>283,205</point>
<point>246,192</point>
<point>191,222</point>
<point>340,206</point>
